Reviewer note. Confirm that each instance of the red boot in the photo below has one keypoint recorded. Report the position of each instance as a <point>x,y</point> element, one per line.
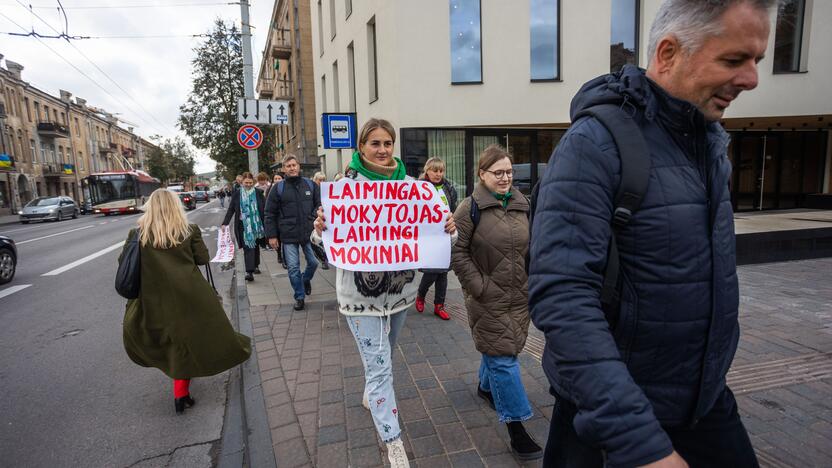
<point>439,310</point>
<point>420,304</point>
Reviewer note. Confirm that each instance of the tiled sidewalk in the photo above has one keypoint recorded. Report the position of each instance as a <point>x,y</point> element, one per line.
<point>313,378</point>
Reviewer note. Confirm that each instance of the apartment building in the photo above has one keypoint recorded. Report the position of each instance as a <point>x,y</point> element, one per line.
<point>455,76</point>
<point>48,144</point>
<point>286,75</point>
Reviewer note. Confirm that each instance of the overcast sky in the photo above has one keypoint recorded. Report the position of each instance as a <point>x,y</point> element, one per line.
<point>155,72</point>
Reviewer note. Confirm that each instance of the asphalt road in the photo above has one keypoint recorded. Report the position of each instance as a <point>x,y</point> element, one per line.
<point>70,395</point>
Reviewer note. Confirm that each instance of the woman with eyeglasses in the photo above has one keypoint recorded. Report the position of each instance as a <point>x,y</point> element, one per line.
<point>489,258</point>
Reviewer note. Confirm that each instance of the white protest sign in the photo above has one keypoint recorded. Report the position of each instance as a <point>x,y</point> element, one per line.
<point>225,247</point>
<point>385,225</point>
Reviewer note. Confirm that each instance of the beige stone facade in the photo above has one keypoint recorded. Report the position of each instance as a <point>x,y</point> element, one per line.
<point>286,75</point>
<point>55,142</point>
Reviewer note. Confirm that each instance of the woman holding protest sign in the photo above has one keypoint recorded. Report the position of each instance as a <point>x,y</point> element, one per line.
<point>176,324</point>
<point>490,261</point>
<point>247,205</point>
<point>434,172</point>
<point>375,303</point>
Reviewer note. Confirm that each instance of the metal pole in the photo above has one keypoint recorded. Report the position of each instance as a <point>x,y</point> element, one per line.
<point>763,174</point>
<point>248,76</point>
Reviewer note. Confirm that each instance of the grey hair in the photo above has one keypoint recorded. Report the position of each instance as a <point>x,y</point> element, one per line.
<point>693,21</point>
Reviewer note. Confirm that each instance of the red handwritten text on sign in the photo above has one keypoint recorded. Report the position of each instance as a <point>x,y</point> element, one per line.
<point>385,225</point>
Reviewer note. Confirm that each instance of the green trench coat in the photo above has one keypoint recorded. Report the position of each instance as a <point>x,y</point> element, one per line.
<point>177,325</point>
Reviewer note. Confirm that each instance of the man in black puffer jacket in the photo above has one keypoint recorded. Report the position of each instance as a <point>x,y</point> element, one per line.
<point>290,211</point>
<point>646,385</point>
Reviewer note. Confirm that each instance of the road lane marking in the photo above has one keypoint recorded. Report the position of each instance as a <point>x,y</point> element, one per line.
<point>12,290</point>
<point>86,259</point>
<point>53,235</point>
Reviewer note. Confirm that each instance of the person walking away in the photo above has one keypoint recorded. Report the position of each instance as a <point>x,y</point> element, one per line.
<point>434,172</point>
<point>221,195</point>
<point>168,317</point>
<point>490,261</point>
<point>246,206</point>
<point>639,367</point>
<point>290,212</point>
<point>375,304</point>
<point>318,178</point>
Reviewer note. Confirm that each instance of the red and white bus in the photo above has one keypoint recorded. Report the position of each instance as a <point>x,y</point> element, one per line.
<point>119,191</point>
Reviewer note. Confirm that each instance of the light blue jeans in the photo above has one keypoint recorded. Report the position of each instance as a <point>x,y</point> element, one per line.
<point>376,338</point>
<point>291,254</point>
<point>500,375</point>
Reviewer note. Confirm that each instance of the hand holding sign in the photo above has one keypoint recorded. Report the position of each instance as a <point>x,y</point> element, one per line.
<point>384,225</point>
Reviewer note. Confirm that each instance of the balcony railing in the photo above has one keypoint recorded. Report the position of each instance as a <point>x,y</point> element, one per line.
<point>281,90</point>
<point>52,130</point>
<point>281,45</point>
<point>105,147</point>
<point>58,170</point>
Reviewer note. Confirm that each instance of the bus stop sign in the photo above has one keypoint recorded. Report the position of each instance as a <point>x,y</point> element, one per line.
<point>249,137</point>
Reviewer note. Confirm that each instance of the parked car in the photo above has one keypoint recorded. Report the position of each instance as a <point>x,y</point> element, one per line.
<point>49,208</point>
<point>201,196</point>
<point>8,259</point>
<point>188,200</point>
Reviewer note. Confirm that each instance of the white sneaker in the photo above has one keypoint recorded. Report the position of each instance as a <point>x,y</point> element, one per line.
<point>365,402</point>
<point>397,455</point>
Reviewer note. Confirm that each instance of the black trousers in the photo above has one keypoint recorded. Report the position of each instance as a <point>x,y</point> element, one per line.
<point>252,256</point>
<point>441,280</point>
<point>718,440</point>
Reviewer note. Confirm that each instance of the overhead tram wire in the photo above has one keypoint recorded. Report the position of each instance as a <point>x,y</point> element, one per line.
<point>79,38</point>
<point>118,7</point>
<point>137,103</point>
<point>102,88</point>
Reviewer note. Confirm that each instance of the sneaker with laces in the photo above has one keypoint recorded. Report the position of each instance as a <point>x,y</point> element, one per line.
<point>439,310</point>
<point>397,455</point>
<point>420,304</point>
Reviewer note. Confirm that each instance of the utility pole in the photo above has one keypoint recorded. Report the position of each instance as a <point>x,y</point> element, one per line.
<point>248,76</point>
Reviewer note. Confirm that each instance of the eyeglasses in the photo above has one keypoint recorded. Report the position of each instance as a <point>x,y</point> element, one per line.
<point>502,173</point>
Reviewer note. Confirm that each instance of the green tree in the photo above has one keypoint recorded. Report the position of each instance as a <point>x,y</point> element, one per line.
<point>209,116</point>
<point>172,159</point>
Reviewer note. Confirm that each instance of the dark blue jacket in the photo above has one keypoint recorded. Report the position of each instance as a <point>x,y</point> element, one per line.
<point>676,331</point>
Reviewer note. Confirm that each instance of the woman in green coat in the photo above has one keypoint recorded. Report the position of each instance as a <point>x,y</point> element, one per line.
<point>177,325</point>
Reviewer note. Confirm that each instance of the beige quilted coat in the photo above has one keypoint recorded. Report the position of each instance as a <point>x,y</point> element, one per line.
<point>490,262</point>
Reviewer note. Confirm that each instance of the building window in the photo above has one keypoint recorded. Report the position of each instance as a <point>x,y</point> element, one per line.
<point>624,34</point>
<point>77,127</point>
<point>37,111</point>
<point>33,151</point>
<point>323,94</point>
<point>28,110</point>
<point>466,41</point>
<point>321,27</point>
<point>788,40</point>
<point>331,19</point>
<point>372,59</point>
<point>348,7</point>
<point>351,74</point>
<point>545,56</point>
<point>80,160</point>
<point>336,93</point>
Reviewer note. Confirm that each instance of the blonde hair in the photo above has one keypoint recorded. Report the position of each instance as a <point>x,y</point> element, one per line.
<point>434,163</point>
<point>163,224</point>
<point>319,177</point>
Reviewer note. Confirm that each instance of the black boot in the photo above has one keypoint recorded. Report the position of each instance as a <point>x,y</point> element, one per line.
<point>307,287</point>
<point>522,443</point>
<point>179,405</point>
<point>249,277</point>
<point>299,304</point>
<point>487,397</point>
<point>188,400</point>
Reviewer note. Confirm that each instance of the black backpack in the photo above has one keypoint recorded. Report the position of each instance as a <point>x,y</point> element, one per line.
<point>128,280</point>
<point>635,175</point>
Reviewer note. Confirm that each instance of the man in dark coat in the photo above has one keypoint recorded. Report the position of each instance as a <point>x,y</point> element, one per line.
<point>645,385</point>
<point>290,211</point>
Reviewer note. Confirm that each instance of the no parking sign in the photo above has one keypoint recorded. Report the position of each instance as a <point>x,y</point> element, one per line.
<point>249,137</point>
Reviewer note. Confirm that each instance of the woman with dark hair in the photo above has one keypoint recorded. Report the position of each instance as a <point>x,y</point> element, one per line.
<point>490,261</point>
<point>247,205</point>
<point>375,303</point>
<point>434,172</point>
